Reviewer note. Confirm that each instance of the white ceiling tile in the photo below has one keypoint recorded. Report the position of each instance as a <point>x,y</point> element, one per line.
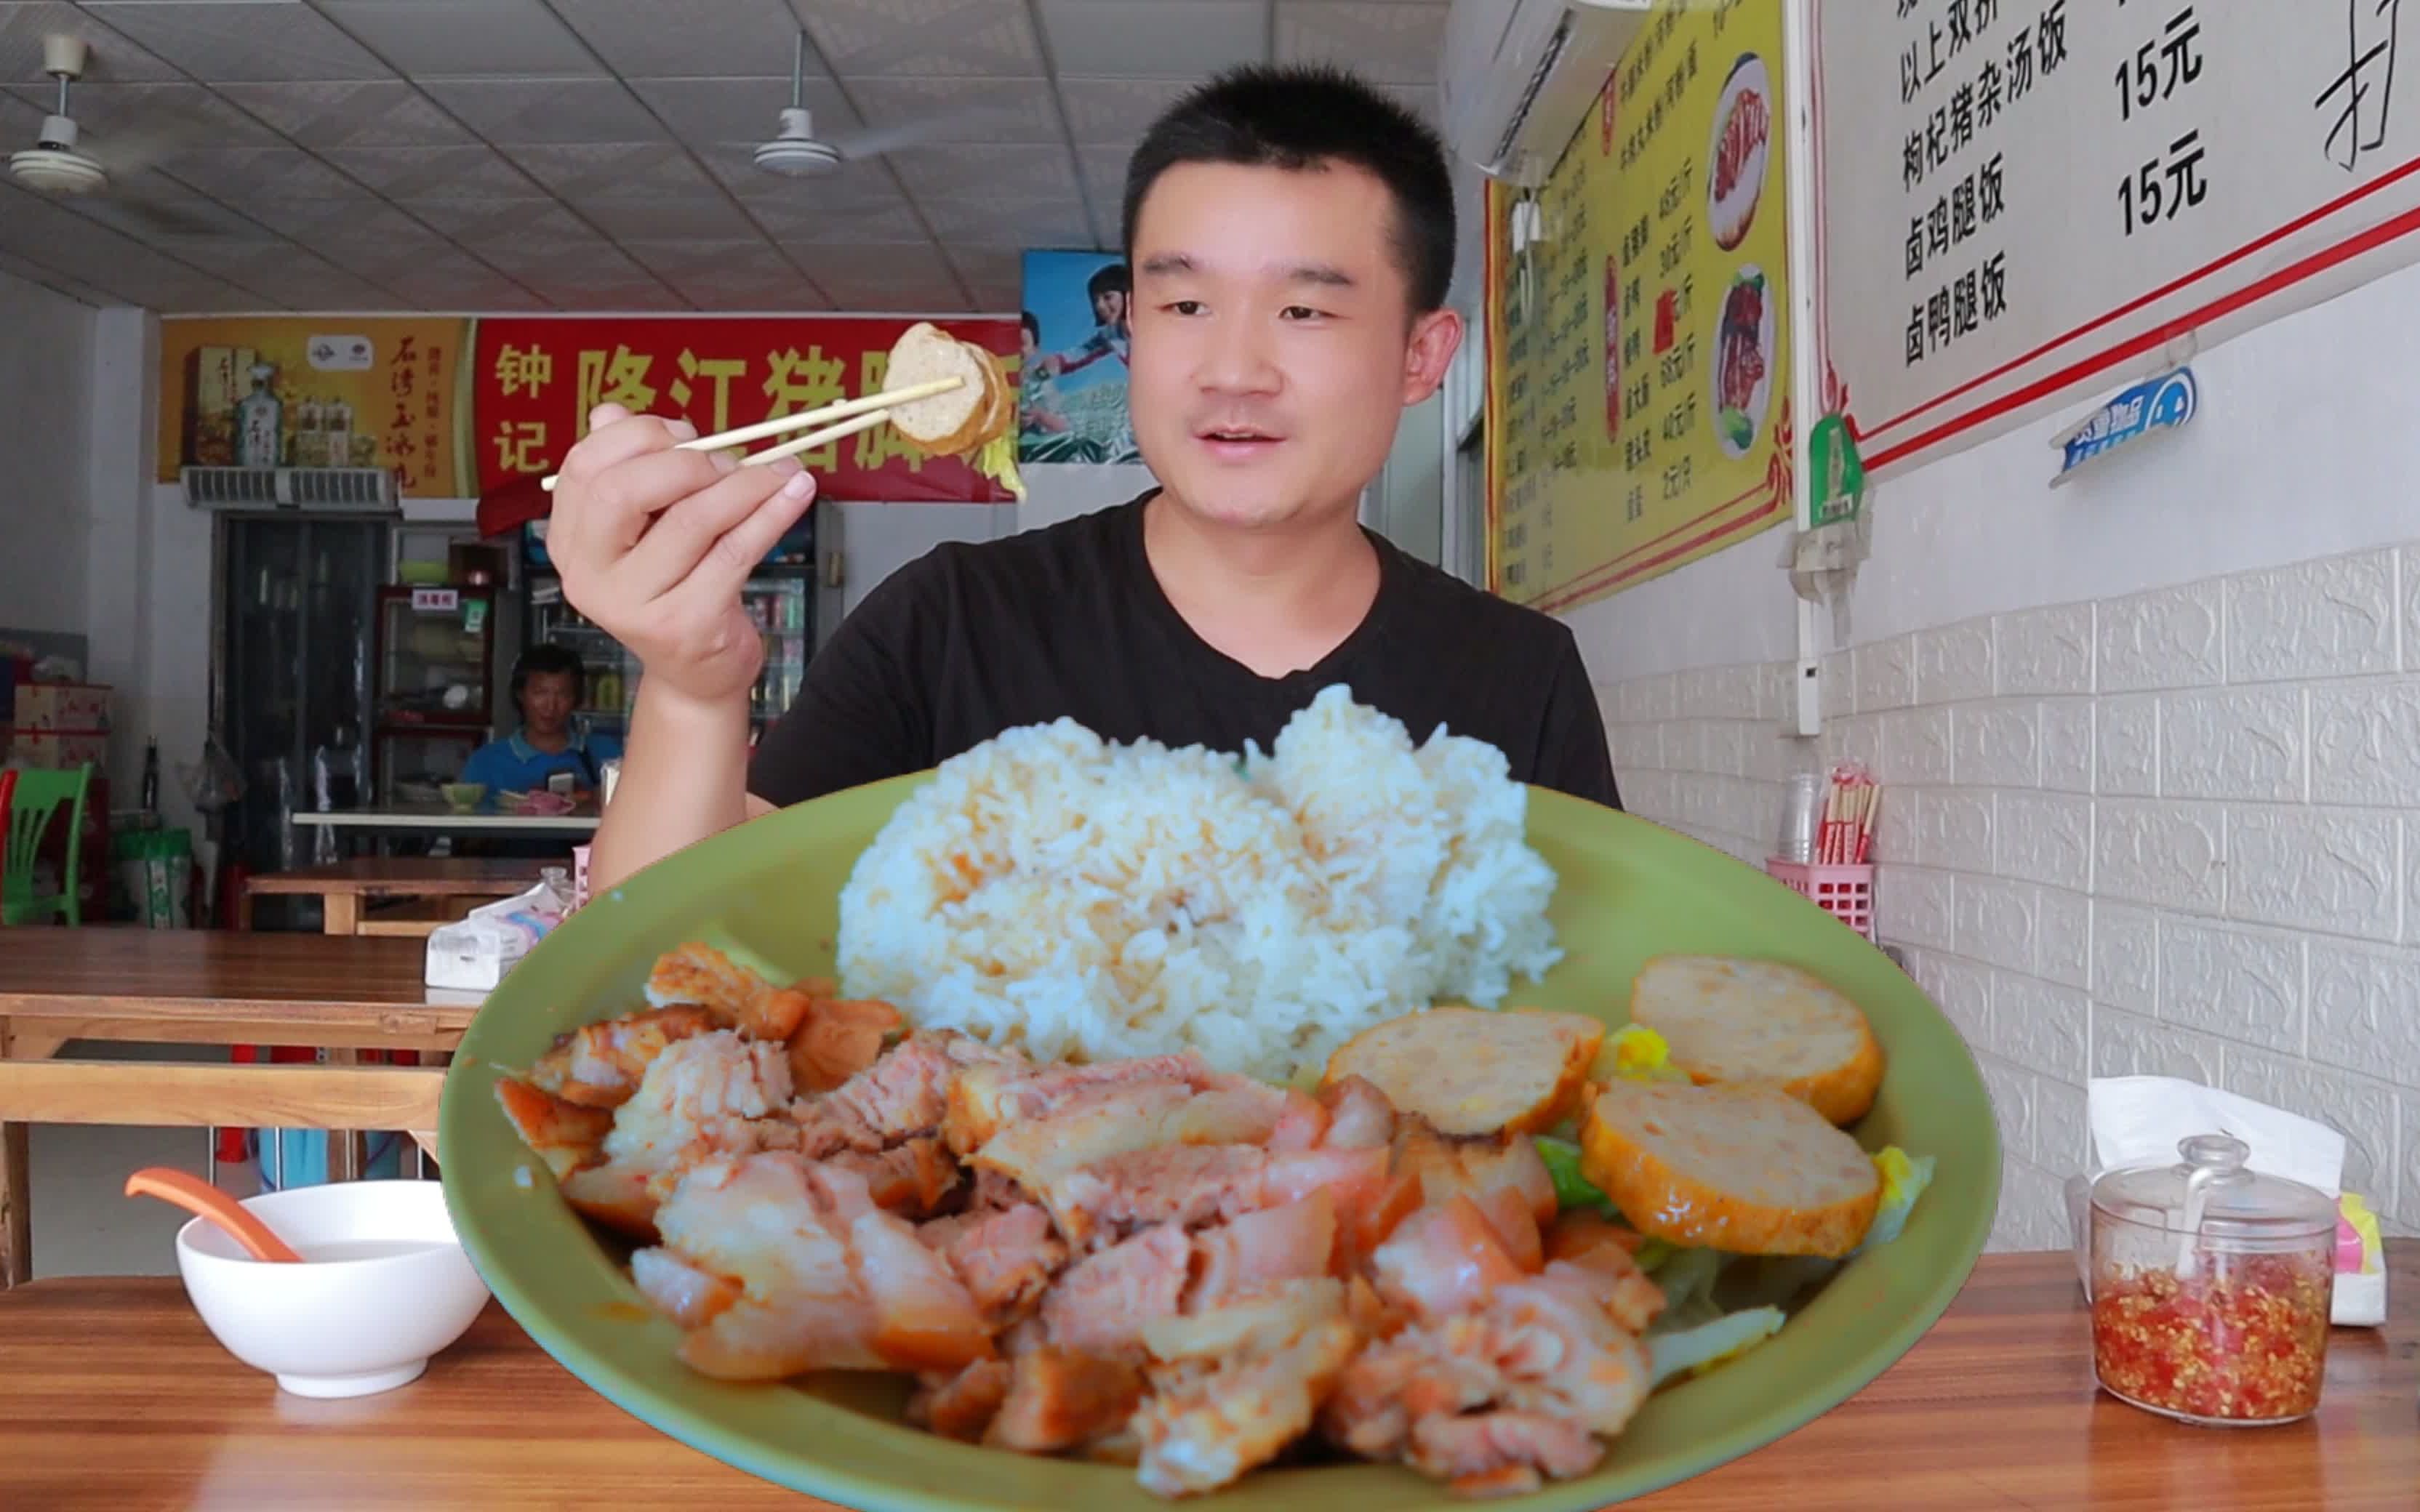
<point>1186,39</point>
<point>57,283</point>
<point>1116,111</point>
<point>611,295</point>
<point>959,110</point>
<point>995,267</point>
<point>517,111</point>
<point>910,260</point>
<point>434,173</point>
<point>351,114</point>
<point>627,170</point>
<point>464,285</point>
<point>701,216</point>
<point>151,217</point>
<point>1387,43</point>
<point>678,260</point>
<point>252,41</point>
<point>546,264</point>
<point>863,38</point>
<point>789,294</point>
<point>701,111</point>
<point>317,222</point>
<point>1104,176</point>
<point>1009,223</point>
<point>810,223</point>
<point>115,58</point>
<point>1046,172</point>
<point>481,222</point>
<point>151,117</point>
<point>465,38</point>
<point>687,38</point>
<point>246,174</point>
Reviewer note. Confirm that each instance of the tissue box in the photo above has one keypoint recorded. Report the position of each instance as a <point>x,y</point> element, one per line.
<point>475,954</point>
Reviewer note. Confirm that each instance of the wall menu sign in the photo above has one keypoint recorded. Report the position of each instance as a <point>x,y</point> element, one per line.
<point>1639,388</point>
<point>535,378</point>
<point>2028,203</point>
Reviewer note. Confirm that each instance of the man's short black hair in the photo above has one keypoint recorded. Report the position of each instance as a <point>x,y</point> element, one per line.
<point>1114,279</point>
<point>1301,116</point>
<point>545,656</point>
<point>1033,327</point>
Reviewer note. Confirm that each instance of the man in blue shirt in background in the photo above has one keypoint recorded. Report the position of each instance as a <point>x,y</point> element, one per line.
<point>548,684</point>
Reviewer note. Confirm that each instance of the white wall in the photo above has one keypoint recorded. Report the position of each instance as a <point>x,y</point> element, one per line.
<point>46,426</point>
<point>2151,745</point>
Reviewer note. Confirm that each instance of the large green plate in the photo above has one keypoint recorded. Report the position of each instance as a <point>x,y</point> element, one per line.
<point>1629,889</point>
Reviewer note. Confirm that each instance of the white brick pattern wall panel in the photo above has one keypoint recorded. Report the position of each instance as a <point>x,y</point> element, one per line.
<point>1961,989</point>
<point>2359,1107</point>
<point>2411,879</point>
<point>2408,1179</point>
<point>1658,699</point>
<point>2042,1027</point>
<point>1997,745</point>
<point>2408,570</point>
<point>2125,956</point>
<point>1695,692</point>
<point>1917,750</point>
<point>1996,922</point>
<point>1899,825</point>
<point>2062,1131</point>
<point>1859,738</point>
<point>2033,1207</point>
<point>1837,685</point>
<point>1724,748</point>
<point>2330,618</point>
<point>1916,905</point>
<point>1955,830</point>
<point>2126,747</point>
<point>2240,984</point>
<point>2044,649</point>
<point>2046,838</point>
<point>1884,674</point>
<point>1771,754</point>
<point>2129,1044</point>
<point>1953,664</point>
<point>2365,742</point>
<point>2319,869</point>
<point>2365,1008</point>
<point>2013,1100</point>
<point>2233,742</point>
<point>2067,745</point>
<point>2168,638</point>
<point>2063,944</point>
<point>2168,855</point>
<point>1685,746</point>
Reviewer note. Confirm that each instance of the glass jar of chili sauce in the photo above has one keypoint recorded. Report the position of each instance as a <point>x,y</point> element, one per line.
<point>2210,1287</point>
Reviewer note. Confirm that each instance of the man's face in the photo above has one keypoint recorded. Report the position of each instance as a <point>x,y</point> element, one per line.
<point>547,702</point>
<point>1273,354</point>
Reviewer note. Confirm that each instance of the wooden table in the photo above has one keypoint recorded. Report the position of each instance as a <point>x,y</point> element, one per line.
<point>112,1395</point>
<point>437,819</point>
<point>348,889</point>
<point>209,987</point>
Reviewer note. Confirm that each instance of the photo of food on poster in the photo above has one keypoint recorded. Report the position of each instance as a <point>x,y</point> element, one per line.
<point>1072,397</point>
<point>315,391</point>
<point>1638,405</point>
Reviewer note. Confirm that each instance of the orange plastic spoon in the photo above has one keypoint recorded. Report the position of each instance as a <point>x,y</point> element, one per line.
<point>200,1197</point>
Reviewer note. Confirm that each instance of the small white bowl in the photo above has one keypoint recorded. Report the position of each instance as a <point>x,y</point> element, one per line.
<point>384,1285</point>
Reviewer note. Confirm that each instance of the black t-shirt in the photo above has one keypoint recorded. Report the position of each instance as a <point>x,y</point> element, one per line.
<point>1070,622</point>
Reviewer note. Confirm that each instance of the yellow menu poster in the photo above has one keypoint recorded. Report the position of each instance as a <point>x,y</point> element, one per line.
<point>1639,383</point>
<point>317,391</point>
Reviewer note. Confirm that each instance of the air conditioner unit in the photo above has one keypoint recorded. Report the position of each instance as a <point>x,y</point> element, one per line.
<point>1519,76</point>
<point>325,491</point>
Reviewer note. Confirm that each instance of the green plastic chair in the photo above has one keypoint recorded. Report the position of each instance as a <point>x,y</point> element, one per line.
<point>39,794</point>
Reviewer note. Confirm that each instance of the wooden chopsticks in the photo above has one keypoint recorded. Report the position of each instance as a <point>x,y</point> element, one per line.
<point>853,414</point>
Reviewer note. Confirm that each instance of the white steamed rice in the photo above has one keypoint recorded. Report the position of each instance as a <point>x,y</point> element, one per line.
<point>1086,901</point>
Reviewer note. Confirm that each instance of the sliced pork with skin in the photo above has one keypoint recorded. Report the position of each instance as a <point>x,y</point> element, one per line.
<point>1060,1399</point>
<point>1251,1254</point>
<point>1359,1114</point>
<point>1005,1257</point>
<point>1101,1123</point>
<point>687,1293</point>
<point>1232,1388</point>
<point>989,1098</point>
<point>960,1405</point>
<point>828,1280</point>
<point>1101,1305</point>
<point>907,1092</point>
<point>1443,1260</point>
<point>1196,1185</point>
<point>600,1065</point>
<point>1503,1175</point>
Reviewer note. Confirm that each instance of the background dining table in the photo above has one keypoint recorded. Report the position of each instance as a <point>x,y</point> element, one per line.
<point>346,994</point>
<point>352,892</point>
<point>112,1395</point>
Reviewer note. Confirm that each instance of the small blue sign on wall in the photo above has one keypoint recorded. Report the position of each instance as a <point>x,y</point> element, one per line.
<point>2163,403</point>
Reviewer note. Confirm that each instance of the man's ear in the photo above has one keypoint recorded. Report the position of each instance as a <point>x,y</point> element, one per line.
<point>1435,336</point>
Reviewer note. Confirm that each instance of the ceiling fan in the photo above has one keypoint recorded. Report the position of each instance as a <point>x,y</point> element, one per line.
<point>61,163</point>
<point>796,152</point>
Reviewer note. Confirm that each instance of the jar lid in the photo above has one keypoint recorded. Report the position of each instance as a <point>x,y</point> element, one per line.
<point>2211,1192</point>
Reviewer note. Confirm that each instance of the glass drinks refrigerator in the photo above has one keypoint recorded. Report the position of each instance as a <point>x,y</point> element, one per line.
<point>780,599</point>
<point>435,647</point>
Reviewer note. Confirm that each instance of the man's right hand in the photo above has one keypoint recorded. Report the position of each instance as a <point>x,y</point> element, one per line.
<point>655,545</point>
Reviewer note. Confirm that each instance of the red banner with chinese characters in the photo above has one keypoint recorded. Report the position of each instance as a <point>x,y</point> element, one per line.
<point>535,380</point>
